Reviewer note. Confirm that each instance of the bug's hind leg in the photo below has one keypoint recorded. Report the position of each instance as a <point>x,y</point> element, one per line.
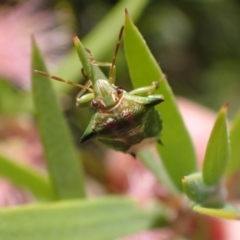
<point>96,63</point>
<point>112,73</point>
<point>112,65</point>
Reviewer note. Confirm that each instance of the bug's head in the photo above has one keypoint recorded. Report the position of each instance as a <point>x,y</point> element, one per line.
<point>106,94</point>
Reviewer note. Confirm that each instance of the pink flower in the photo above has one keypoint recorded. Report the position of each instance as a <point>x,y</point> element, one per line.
<point>17,24</point>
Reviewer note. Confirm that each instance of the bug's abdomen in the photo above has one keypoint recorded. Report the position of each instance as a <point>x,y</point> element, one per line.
<point>127,124</point>
<point>130,128</point>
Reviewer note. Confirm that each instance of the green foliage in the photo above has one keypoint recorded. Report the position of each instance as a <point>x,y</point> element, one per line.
<point>104,218</point>
<point>115,217</point>
<point>144,69</point>
<point>234,161</point>
<point>11,100</point>
<point>91,71</point>
<point>64,167</point>
<point>196,189</point>
<point>23,176</point>
<point>206,189</point>
<point>227,211</point>
<point>217,152</point>
<point>153,163</point>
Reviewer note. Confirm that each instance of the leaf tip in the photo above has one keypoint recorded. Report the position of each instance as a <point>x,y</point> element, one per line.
<point>76,40</point>
<point>225,106</point>
<point>126,12</point>
<point>127,16</point>
<point>163,78</point>
<point>33,40</point>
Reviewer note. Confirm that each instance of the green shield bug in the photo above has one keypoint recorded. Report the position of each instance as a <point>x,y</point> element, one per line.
<point>124,121</point>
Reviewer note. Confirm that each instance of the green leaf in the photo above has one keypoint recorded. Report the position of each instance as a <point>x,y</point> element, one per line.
<point>25,177</point>
<point>99,39</point>
<point>209,199</point>
<point>217,151</point>
<point>228,211</point>
<point>151,161</point>
<point>199,192</point>
<point>93,72</point>
<point>12,100</point>
<point>177,152</point>
<point>234,161</point>
<point>106,218</point>
<point>195,188</point>
<point>63,164</point>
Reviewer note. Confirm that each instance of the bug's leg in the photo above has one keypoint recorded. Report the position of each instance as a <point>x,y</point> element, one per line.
<point>145,90</point>
<point>112,71</point>
<point>112,65</point>
<point>87,85</point>
<point>148,89</point>
<point>103,64</point>
<point>96,63</point>
<point>82,98</point>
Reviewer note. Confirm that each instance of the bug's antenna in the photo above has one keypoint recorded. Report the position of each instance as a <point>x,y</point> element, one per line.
<point>83,87</point>
<point>116,51</point>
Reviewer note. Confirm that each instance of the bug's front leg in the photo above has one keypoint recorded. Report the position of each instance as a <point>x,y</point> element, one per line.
<point>83,100</point>
<point>148,90</point>
<point>145,90</point>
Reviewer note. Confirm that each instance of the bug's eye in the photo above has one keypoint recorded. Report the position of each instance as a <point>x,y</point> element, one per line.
<point>94,103</point>
<point>119,90</point>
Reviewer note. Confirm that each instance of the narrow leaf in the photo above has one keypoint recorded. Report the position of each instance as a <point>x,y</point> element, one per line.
<point>91,71</point>
<point>151,161</point>
<point>64,168</point>
<point>217,151</point>
<point>22,176</point>
<point>102,219</point>
<point>227,211</point>
<point>234,161</point>
<point>13,100</point>
<point>177,152</point>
